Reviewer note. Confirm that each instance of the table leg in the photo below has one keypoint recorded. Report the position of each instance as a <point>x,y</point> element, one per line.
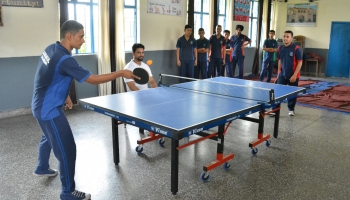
<point>277,121</point>
<point>174,166</point>
<point>115,139</point>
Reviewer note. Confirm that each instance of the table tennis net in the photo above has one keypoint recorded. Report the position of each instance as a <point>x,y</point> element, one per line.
<point>231,90</point>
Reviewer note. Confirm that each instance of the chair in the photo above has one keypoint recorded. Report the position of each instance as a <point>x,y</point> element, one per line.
<point>318,67</point>
<point>300,38</point>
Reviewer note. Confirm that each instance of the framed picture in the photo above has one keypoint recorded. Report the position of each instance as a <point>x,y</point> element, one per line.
<point>304,14</point>
<point>1,24</point>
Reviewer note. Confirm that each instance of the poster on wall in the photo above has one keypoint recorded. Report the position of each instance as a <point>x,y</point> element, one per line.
<point>23,3</point>
<point>241,10</point>
<point>165,7</point>
<point>301,14</point>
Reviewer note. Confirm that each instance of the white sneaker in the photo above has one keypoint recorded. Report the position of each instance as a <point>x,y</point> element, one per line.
<point>291,113</point>
<point>272,114</point>
<point>146,133</point>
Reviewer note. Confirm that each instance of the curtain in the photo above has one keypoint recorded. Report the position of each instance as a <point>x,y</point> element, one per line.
<point>264,21</point>
<point>276,6</point>
<point>229,16</point>
<point>255,68</point>
<point>104,60</point>
<point>119,43</point>
<point>211,17</point>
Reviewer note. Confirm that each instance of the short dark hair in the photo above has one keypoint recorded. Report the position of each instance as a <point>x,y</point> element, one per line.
<point>227,31</point>
<point>291,32</point>
<point>187,26</point>
<point>70,26</point>
<point>272,31</point>
<point>200,29</point>
<point>136,46</point>
<point>238,26</point>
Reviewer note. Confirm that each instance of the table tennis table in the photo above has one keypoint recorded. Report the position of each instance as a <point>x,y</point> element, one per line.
<point>171,112</point>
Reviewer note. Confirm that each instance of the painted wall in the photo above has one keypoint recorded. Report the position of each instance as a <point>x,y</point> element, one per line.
<point>160,32</point>
<point>17,80</point>
<point>319,36</point>
<point>27,31</point>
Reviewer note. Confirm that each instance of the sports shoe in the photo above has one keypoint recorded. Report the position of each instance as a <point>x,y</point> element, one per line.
<point>75,195</point>
<point>272,114</point>
<point>48,172</point>
<point>146,133</point>
<point>291,113</point>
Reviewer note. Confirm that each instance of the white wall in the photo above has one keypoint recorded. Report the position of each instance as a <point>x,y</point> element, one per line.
<point>327,12</point>
<point>28,31</point>
<point>160,32</point>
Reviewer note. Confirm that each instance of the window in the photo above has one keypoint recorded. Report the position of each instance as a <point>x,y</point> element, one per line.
<point>201,17</point>
<point>222,13</point>
<point>86,13</point>
<point>253,25</point>
<point>130,32</point>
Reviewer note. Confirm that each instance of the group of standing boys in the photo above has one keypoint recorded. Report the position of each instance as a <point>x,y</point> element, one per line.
<point>224,53</point>
<point>221,52</point>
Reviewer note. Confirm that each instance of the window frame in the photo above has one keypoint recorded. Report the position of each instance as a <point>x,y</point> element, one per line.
<point>222,15</point>
<point>201,14</point>
<point>91,5</point>
<point>251,19</point>
<point>135,24</point>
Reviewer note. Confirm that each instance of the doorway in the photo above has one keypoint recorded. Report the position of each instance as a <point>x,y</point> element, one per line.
<point>339,51</point>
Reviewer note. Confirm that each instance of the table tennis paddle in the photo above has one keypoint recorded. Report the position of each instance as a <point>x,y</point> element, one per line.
<point>143,74</point>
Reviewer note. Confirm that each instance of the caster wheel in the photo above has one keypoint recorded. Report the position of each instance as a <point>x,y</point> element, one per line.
<point>227,165</point>
<point>205,176</point>
<point>268,143</point>
<point>254,151</point>
<point>139,149</point>
<point>161,142</point>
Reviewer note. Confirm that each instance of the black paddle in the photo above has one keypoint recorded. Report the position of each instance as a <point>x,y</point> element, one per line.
<point>143,74</point>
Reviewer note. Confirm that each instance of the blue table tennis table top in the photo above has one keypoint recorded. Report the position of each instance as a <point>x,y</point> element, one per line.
<point>176,112</point>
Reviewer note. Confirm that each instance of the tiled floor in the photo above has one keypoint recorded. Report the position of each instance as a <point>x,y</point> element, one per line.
<point>309,160</point>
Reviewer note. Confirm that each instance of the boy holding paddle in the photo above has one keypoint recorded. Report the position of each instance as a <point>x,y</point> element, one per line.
<point>55,72</point>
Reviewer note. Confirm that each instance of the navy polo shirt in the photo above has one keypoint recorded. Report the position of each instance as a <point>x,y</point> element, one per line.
<point>228,57</point>
<point>216,46</point>
<point>268,43</point>
<point>289,57</point>
<point>202,44</point>
<point>186,48</point>
<point>237,43</point>
<point>52,80</point>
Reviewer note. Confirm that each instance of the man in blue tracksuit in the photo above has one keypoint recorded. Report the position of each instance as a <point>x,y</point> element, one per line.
<point>186,53</point>
<point>228,56</point>
<point>238,42</point>
<point>216,53</point>
<point>290,60</point>
<point>202,52</point>
<point>270,47</point>
<point>55,72</point>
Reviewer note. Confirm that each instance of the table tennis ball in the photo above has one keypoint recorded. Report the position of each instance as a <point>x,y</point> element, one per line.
<point>149,62</point>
